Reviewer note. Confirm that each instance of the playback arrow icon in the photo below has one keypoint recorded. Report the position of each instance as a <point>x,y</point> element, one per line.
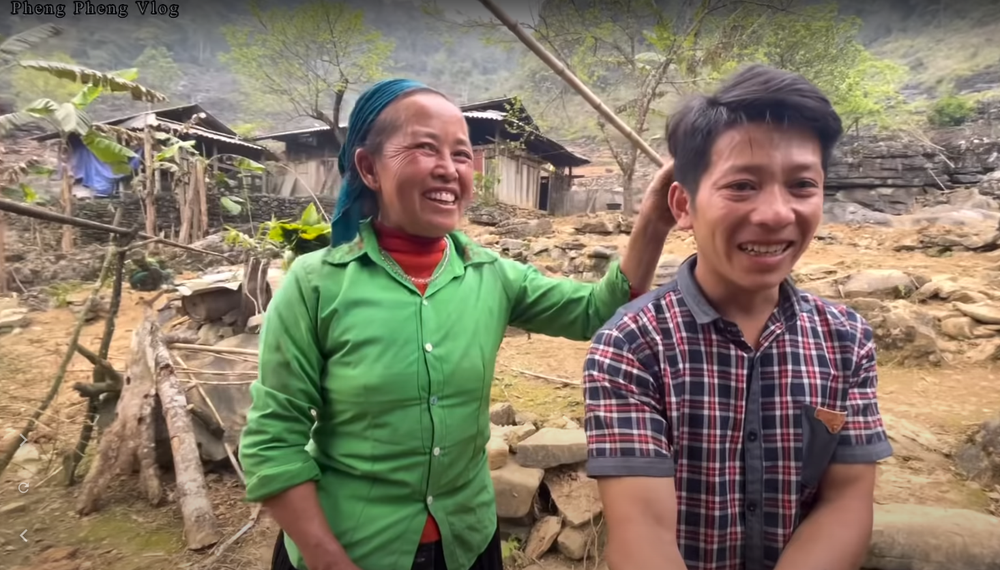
<point>24,438</point>
<point>22,535</point>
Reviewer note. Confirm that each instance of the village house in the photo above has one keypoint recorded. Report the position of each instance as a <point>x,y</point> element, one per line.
<point>515,162</point>
<point>94,179</point>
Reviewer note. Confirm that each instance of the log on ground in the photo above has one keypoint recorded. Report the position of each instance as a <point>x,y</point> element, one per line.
<point>200,527</point>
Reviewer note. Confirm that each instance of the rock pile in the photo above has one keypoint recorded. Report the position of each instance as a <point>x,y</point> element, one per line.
<point>920,318</point>
<point>544,497</point>
<point>542,491</point>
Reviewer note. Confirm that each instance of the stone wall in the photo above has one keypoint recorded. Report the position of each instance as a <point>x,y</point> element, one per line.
<point>261,207</point>
<point>885,173</point>
<point>891,175</point>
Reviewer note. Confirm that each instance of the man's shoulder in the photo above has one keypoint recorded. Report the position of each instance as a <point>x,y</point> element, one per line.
<point>640,317</point>
<point>835,320</point>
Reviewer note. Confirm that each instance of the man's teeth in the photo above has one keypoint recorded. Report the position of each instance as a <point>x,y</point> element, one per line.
<point>446,197</point>
<point>764,249</point>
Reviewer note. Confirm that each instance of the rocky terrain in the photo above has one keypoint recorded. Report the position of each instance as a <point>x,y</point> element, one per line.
<point>926,281</point>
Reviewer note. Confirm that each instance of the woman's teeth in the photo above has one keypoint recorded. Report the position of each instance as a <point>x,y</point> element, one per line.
<point>442,197</point>
<point>765,250</point>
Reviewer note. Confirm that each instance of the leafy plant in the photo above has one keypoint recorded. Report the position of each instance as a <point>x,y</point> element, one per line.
<point>485,185</point>
<point>950,111</point>
<point>509,547</point>
<point>307,234</point>
<point>311,232</point>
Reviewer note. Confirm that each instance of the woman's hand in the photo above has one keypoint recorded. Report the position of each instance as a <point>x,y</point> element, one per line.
<point>328,556</point>
<point>655,206</point>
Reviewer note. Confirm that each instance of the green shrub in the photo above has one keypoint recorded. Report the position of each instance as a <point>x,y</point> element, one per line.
<point>950,111</point>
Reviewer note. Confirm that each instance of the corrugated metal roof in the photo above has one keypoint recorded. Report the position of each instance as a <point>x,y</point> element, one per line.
<point>197,131</point>
<point>538,144</point>
<point>493,115</point>
<point>283,134</point>
<point>150,119</point>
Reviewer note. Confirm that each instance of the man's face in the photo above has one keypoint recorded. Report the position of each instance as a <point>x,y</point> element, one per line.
<point>758,205</point>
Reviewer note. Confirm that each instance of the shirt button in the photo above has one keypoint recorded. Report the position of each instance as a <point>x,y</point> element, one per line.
<point>437,451</point>
<point>752,506</point>
<point>430,500</point>
<point>752,436</point>
<point>428,347</point>
<point>425,302</point>
<point>434,400</point>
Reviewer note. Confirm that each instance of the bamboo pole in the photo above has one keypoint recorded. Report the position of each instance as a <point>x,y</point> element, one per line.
<point>573,81</point>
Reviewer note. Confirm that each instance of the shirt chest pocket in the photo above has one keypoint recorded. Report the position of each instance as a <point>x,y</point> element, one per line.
<point>820,434</point>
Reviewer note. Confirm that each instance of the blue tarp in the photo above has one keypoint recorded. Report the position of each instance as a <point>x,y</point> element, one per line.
<point>94,174</point>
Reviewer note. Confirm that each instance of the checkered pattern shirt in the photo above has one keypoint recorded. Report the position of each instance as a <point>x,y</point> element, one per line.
<point>673,390</point>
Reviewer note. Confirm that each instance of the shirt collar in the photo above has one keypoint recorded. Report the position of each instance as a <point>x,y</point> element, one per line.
<point>366,243</point>
<point>789,300</point>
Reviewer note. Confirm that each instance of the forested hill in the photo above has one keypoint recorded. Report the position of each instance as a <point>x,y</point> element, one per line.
<point>943,45</point>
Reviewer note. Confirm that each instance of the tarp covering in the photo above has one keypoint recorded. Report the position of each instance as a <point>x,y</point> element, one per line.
<point>94,174</point>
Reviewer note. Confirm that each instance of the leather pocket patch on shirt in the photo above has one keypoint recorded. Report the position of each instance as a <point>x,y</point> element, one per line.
<point>833,420</point>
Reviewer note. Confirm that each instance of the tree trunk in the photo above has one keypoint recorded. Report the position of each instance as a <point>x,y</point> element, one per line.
<point>183,192</point>
<point>200,528</point>
<point>628,173</point>
<point>120,444</point>
<point>67,198</point>
<point>150,190</point>
<point>199,180</point>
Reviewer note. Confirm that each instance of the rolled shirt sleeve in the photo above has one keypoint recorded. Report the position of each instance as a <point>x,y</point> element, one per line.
<point>558,306</point>
<point>625,420</point>
<point>273,444</point>
<point>863,438</point>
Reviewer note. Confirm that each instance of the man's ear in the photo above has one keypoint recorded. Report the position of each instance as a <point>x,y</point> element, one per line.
<point>365,163</point>
<point>681,205</point>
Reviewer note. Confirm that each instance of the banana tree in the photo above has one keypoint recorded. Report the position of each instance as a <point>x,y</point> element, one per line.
<point>189,168</point>
<point>70,120</point>
<point>20,43</point>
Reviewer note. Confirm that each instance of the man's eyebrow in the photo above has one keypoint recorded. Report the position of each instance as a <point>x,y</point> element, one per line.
<point>756,168</point>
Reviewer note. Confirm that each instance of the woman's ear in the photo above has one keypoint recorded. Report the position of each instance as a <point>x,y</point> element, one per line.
<point>365,164</point>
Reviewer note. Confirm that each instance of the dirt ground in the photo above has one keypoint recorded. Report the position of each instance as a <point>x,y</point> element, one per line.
<point>128,535</point>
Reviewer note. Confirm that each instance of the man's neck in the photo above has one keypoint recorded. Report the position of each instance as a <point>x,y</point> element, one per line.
<point>750,310</point>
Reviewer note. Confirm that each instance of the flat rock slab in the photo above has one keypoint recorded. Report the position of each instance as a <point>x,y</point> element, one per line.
<point>552,447</point>
<point>914,537</point>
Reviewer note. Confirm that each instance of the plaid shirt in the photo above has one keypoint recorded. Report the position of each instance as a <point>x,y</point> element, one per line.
<point>673,390</point>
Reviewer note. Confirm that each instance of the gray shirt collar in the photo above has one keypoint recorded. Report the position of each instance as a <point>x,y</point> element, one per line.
<point>704,312</point>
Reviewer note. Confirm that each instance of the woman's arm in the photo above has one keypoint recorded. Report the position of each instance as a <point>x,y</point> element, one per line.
<point>575,310</point>
<point>280,472</point>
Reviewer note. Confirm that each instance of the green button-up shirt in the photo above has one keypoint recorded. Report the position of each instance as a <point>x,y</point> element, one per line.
<point>400,385</point>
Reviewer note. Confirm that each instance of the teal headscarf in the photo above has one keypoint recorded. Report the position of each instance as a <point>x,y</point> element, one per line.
<point>353,191</point>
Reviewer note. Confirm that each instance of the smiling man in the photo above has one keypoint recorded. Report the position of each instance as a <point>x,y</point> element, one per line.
<point>732,419</point>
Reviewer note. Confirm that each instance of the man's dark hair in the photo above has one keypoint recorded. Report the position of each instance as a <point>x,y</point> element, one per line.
<point>755,94</point>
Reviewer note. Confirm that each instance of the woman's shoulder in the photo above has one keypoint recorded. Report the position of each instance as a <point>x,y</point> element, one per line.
<point>471,250</point>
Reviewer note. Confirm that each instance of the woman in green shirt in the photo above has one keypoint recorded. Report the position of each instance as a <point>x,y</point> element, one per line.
<point>366,437</point>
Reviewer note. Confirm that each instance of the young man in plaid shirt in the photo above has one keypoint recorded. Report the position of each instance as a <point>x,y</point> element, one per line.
<point>732,420</point>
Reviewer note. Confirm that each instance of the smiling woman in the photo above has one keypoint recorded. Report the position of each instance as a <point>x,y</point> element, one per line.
<point>390,335</point>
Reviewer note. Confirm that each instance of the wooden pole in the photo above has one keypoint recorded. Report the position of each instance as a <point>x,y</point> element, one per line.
<point>573,81</point>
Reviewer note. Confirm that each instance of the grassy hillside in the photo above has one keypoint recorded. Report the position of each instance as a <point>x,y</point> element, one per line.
<point>964,56</point>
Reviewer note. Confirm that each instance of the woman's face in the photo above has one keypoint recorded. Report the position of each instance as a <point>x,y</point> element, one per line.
<point>423,174</point>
